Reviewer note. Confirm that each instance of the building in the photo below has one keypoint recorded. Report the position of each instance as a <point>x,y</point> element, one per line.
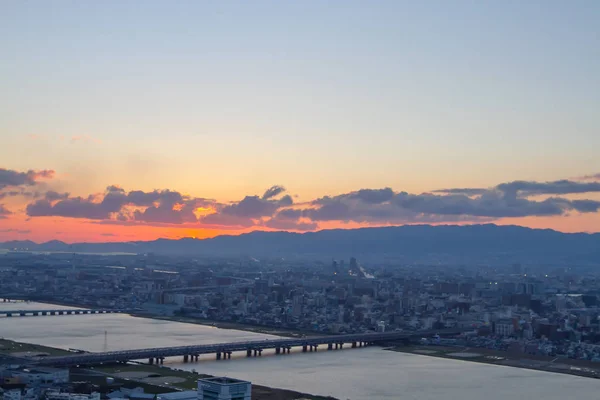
<point>183,395</point>
<point>504,327</point>
<point>39,375</point>
<point>72,396</point>
<point>223,388</point>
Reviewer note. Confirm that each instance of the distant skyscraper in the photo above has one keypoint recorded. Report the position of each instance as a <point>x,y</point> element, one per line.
<point>334,267</point>
<point>354,265</point>
<point>516,269</point>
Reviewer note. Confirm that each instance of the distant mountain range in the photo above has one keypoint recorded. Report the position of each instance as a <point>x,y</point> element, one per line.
<point>490,244</point>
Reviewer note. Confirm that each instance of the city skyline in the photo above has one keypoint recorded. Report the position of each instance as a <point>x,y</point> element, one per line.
<point>122,121</point>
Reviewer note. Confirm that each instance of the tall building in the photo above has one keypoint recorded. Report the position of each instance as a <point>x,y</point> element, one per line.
<point>353,264</point>
<point>334,267</point>
<point>223,388</point>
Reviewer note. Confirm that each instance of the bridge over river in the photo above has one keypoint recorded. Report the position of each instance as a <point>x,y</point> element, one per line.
<point>23,313</point>
<point>224,350</point>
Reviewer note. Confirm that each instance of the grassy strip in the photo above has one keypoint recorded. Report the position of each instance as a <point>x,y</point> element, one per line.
<point>8,347</point>
<point>258,392</point>
<point>97,375</point>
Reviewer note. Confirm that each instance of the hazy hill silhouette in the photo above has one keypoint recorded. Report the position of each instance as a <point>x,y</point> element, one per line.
<point>476,243</point>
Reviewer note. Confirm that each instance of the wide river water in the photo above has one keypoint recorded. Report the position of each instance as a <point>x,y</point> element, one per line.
<point>356,374</point>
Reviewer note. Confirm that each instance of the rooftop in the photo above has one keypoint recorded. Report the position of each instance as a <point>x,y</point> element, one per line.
<point>223,380</point>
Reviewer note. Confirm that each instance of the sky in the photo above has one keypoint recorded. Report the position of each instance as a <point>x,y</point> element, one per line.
<point>133,120</point>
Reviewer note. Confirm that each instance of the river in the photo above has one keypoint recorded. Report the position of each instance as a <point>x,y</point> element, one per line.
<point>356,374</point>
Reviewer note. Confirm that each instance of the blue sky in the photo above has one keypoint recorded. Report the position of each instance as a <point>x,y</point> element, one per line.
<point>221,99</point>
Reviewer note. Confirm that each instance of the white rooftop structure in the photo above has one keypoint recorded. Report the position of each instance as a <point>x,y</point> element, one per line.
<point>184,395</point>
<point>223,388</point>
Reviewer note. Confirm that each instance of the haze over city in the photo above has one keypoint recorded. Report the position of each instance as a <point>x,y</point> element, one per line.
<point>197,119</point>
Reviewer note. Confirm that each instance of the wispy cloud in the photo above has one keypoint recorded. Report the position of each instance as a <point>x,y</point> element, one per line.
<point>17,231</point>
<point>85,139</point>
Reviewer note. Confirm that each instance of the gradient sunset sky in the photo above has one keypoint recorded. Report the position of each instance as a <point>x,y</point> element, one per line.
<point>133,120</point>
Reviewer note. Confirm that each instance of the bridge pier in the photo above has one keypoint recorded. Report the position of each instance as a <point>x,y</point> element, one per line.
<point>329,346</point>
<point>196,357</point>
<point>52,312</point>
<point>341,345</point>
<point>228,355</point>
<point>337,346</point>
<point>9,314</point>
<point>304,348</point>
<point>218,355</point>
<point>353,345</point>
<point>185,358</point>
<point>151,361</point>
<point>22,314</point>
<point>249,353</point>
<point>277,350</point>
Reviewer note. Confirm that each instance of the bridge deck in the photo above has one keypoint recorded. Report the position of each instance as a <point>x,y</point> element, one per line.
<point>139,354</point>
<point>63,311</point>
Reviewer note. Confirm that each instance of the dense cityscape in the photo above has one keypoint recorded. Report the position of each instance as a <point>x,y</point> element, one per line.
<point>551,311</point>
<point>526,315</point>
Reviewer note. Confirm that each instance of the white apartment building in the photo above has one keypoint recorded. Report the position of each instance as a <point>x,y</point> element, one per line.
<point>224,388</point>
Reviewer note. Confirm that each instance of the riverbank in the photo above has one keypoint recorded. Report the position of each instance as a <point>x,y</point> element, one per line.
<point>186,380</point>
<point>25,350</point>
<point>267,330</point>
<point>583,368</point>
<point>283,332</point>
<point>154,379</point>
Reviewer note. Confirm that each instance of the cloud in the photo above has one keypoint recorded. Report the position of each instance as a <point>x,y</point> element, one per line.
<point>76,207</point>
<point>290,225</point>
<point>226,220</point>
<point>167,213</point>
<point>52,196</point>
<point>4,212</point>
<point>593,177</point>
<point>19,192</point>
<point>466,191</point>
<point>373,196</point>
<point>18,231</point>
<point>11,178</point>
<point>273,191</point>
<point>290,219</point>
<point>275,209</point>
<point>503,201</point>
<point>158,206</point>
<point>84,139</point>
<point>527,188</point>
<point>255,207</point>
